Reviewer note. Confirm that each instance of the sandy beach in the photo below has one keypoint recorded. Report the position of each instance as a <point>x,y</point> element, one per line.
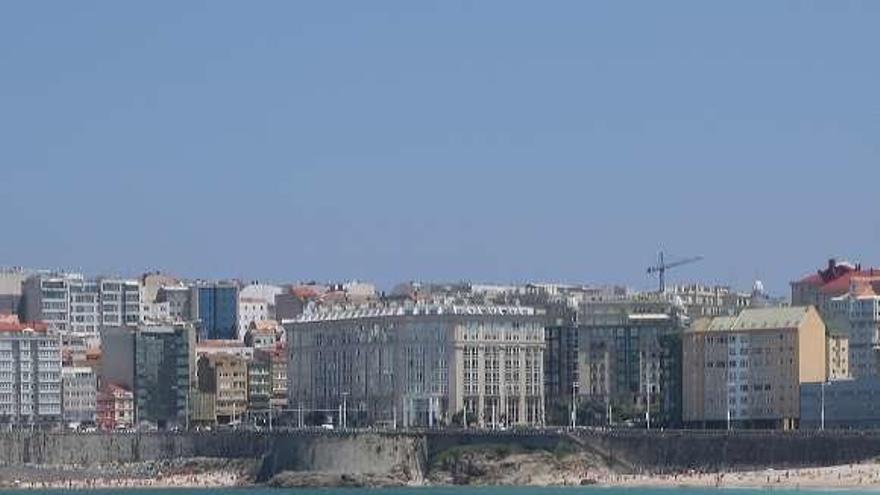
<point>516,470</point>
<point>202,480</point>
<point>181,473</point>
<point>852,476</point>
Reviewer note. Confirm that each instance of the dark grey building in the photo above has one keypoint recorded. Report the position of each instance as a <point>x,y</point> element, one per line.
<point>117,357</point>
<point>848,404</point>
<point>11,280</point>
<point>629,357</point>
<point>560,363</point>
<point>156,362</point>
<point>180,302</point>
<point>288,306</point>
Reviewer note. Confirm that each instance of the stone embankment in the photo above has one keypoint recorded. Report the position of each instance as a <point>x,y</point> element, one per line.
<point>547,457</point>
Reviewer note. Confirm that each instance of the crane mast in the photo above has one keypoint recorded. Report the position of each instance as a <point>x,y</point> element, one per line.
<point>662,265</point>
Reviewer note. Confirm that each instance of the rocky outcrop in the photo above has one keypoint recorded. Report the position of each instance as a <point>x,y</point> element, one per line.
<point>364,459</point>
<point>503,465</point>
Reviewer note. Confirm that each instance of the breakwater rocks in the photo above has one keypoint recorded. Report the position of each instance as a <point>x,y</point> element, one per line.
<point>309,458</point>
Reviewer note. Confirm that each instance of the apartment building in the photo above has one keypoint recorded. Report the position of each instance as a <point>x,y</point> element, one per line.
<point>79,386</point>
<point>176,301</point>
<point>856,315</point>
<point>629,357</point>
<point>256,303</point>
<point>834,280</point>
<point>702,300</point>
<point>47,299</point>
<point>30,374</point>
<point>837,357</point>
<point>251,310</point>
<point>120,302</point>
<point>747,370</point>
<point>259,380</point>
<point>263,335</point>
<point>278,356</point>
<point>155,362</point>
<point>846,296</point>
<point>72,303</point>
<point>216,308</point>
<point>420,364</point>
<point>114,409</point>
<point>11,280</point>
<point>225,376</point>
<point>560,363</point>
<point>231,347</point>
<point>85,307</point>
<point>153,310</point>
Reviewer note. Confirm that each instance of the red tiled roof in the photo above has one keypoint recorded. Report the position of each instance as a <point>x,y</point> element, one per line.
<point>841,285</point>
<point>20,327</point>
<point>304,292</point>
<point>836,279</point>
<point>814,279</point>
<point>220,343</point>
<point>116,389</point>
<point>862,287</point>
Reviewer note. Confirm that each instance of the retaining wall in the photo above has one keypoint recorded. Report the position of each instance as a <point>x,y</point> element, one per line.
<point>381,453</point>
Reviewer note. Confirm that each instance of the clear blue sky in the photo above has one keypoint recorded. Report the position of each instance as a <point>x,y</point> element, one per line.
<point>484,140</point>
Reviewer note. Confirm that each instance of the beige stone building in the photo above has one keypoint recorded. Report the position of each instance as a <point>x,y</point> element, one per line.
<point>420,364</point>
<point>225,376</point>
<point>746,370</point>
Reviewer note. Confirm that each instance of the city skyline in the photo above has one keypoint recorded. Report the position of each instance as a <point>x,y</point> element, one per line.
<point>441,244</point>
<point>673,279</point>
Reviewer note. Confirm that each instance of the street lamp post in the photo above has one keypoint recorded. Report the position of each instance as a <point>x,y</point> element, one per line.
<point>647,397</point>
<point>344,420</point>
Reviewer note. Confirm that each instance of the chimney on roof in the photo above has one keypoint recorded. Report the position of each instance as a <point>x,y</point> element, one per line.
<point>831,263</point>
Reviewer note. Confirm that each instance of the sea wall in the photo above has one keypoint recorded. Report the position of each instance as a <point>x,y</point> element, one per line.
<point>350,453</point>
<point>743,450</point>
<point>93,449</point>
<point>412,454</point>
<point>356,454</point>
<point>660,451</point>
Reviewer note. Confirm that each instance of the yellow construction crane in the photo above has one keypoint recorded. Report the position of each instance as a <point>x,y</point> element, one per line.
<point>662,265</point>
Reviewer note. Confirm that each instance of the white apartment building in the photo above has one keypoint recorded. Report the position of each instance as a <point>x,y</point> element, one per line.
<point>30,375</point>
<point>251,310</point>
<point>710,300</point>
<point>71,303</point>
<point>79,388</point>
<point>856,315</point>
<point>420,364</point>
<point>120,302</point>
<point>256,302</point>
<point>266,292</point>
<point>85,307</point>
<point>47,299</point>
